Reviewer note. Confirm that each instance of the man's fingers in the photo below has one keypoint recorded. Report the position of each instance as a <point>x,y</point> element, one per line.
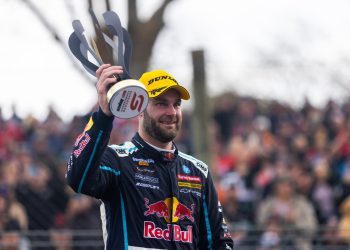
<point>106,70</point>
<point>103,87</point>
<point>100,69</point>
<point>109,73</point>
<point>107,76</point>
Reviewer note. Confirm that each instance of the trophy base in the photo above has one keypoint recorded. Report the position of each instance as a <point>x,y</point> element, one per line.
<point>127,98</point>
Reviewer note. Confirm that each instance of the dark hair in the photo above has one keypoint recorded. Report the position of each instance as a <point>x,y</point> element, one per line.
<point>12,225</point>
<point>283,180</point>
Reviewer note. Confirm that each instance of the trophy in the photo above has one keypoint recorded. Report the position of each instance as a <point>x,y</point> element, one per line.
<point>128,97</point>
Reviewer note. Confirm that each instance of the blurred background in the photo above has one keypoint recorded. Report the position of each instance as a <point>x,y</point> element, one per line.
<point>270,92</point>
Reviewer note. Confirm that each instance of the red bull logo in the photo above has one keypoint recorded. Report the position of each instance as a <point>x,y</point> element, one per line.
<point>167,207</point>
<point>159,208</point>
<point>82,144</point>
<point>183,212</point>
<point>163,209</point>
<point>151,231</point>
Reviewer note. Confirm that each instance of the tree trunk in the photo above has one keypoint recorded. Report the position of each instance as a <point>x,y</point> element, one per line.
<point>201,110</point>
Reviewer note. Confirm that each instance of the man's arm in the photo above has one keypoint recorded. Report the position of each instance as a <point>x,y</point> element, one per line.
<point>212,224</point>
<point>90,165</point>
<point>89,158</point>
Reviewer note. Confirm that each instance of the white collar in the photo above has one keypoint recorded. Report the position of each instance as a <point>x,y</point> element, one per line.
<point>162,149</point>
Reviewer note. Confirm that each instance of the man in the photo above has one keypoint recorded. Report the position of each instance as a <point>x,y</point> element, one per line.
<point>153,196</point>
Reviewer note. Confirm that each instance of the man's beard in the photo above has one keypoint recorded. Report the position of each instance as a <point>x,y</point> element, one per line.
<point>154,130</point>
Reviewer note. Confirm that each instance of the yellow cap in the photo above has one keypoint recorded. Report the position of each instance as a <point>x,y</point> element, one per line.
<point>159,81</point>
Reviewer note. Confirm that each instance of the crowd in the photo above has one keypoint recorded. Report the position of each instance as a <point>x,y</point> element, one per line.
<point>284,171</point>
<point>282,174</point>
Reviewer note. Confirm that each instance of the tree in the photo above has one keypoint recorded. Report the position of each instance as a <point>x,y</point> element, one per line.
<point>143,34</point>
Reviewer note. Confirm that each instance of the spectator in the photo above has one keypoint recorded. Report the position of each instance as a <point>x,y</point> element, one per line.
<point>37,197</point>
<point>344,223</point>
<point>273,237</point>
<point>81,214</point>
<point>322,194</point>
<point>294,212</point>
<point>10,238</point>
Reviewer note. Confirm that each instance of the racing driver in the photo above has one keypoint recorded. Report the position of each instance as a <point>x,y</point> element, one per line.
<point>152,195</point>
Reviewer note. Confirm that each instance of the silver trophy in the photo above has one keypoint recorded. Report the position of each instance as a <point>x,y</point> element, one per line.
<point>128,97</point>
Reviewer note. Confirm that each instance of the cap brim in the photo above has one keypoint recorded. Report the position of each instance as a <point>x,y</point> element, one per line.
<point>185,95</point>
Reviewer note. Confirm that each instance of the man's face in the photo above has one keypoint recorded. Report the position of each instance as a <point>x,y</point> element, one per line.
<point>163,116</point>
<point>284,190</point>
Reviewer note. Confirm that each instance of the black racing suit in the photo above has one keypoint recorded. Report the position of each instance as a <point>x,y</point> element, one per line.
<point>150,200</point>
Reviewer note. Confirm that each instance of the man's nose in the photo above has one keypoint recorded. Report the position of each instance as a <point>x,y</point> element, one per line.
<point>171,110</point>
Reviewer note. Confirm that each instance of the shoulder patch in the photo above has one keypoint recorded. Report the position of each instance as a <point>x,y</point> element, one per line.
<point>197,163</point>
<point>125,149</point>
